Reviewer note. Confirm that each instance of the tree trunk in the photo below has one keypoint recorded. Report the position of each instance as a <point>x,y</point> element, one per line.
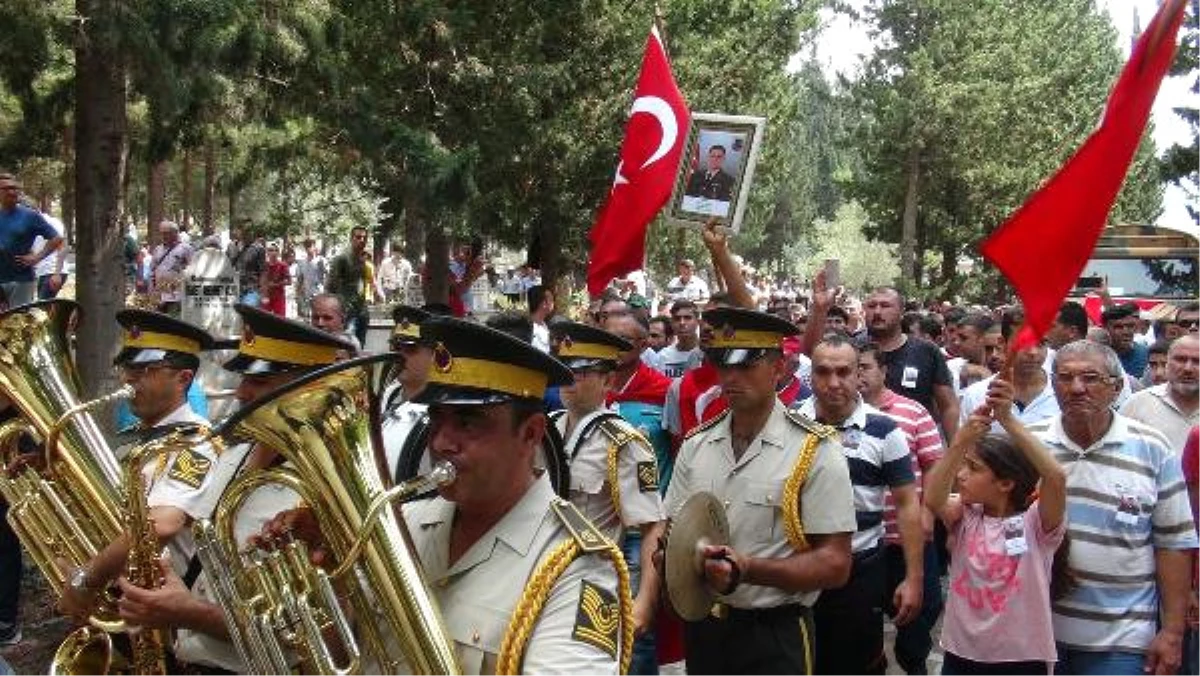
<point>210,188</point>
<point>68,182</point>
<point>437,265</point>
<point>549,242</point>
<point>156,192</point>
<point>100,90</point>
<point>185,191</point>
<point>414,228</point>
<point>908,225</point>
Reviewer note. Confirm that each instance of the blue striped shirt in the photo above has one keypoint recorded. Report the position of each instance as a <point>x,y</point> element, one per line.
<point>1125,498</point>
<point>877,454</point>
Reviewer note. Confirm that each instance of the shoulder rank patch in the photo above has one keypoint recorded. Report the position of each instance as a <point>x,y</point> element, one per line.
<point>190,468</point>
<point>586,535</point>
<point>597,618</point>
<point>707,425</point>
<point>811,426</point>
<point>647,473</point>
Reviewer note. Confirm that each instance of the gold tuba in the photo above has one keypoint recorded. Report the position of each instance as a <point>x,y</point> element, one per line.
<point>72,509</point>
<point>325,424</point>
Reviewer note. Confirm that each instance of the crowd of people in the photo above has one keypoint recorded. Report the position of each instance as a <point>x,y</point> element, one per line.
<point>877,460</point>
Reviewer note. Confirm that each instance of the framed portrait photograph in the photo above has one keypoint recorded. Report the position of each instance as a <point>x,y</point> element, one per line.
<point>716,170</point>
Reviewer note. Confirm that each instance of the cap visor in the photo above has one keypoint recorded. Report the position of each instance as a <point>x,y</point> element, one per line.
<point>734,356</point>
<point>256,367</point>
<point>460,396</point>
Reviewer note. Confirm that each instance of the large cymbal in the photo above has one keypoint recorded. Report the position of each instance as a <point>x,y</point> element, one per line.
<point>700,522</point>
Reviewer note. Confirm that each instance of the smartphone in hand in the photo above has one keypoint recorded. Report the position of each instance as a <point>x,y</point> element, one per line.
<point>833,273</point>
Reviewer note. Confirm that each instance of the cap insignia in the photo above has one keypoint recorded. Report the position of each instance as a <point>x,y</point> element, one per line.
<point>442,359</point>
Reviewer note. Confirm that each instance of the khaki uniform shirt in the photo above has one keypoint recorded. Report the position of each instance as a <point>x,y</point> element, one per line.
<point>199,648</point>
<point>183,481</point>
<point>478,593</point>
<point>752,488</point>
<point>637,477</point>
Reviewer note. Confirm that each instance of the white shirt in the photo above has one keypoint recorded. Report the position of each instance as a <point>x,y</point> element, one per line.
<point>1044,405</point>
<point>49,264</point>
<point>695,289</point>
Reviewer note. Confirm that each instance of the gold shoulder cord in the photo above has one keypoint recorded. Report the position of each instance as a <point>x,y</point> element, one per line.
<point>537,590</point>
<point>791,493</point>
<point>618,441</point>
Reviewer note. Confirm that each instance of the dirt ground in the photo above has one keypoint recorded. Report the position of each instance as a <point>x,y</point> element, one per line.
<point>42,626</point>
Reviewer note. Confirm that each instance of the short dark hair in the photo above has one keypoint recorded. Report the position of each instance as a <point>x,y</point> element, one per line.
<point>1117,312</point>
<point>835,339</point>
<point>1010,320</point>
<point>908,320</point>
<point>536,294</point>
<point>1073,314</point>
<point>683,305</point>
<point>931,324</point>
<point>977,320</point>
<point>870,347</point>
<point>900,300</point>
<point>718,146</point>
<point>954,315</point>
<point>1159,347</point>
<point>838,311</point>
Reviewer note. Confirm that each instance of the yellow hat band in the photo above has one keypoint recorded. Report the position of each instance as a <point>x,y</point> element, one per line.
<point>273,349</point>
<point>486,375</point>
<point>587,350</point>
<point>746,339</point>
<point>150,340</point>
<point>409,330</point>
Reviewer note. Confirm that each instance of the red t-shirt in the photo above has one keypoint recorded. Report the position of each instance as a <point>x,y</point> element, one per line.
<point>275,300</point>
<point>1192,476</point>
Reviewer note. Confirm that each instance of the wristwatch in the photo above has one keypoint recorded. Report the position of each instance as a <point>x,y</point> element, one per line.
<point>78,581</point>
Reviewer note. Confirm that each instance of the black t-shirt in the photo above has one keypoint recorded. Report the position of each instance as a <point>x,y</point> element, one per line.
<point>914,368</point>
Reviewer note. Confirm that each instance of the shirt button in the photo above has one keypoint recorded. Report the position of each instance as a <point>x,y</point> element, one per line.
<point>475,636</point>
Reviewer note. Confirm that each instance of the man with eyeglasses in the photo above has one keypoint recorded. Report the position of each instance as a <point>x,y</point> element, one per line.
<point>160,356</point>
<point>1188,318</point>
<point>601,446</point>
<point>1130,525</point>
<point>750,457</point>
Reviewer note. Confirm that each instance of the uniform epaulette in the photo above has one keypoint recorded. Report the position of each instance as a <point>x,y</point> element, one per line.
<point>587,536</point>
<point>707,425</point>
<point>620,432</point>
<point>811,426</point>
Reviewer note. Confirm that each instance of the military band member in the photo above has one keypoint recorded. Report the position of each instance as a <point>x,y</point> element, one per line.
<point>159,357</point>
<point>614,474</point>
<point>401,415</point>
<point>272,352</point>
<point>494,541</point>
<point>786,490</point>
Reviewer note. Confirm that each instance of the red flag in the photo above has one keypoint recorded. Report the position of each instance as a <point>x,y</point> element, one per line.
<point>1043,247</point>
<point>654,138</point>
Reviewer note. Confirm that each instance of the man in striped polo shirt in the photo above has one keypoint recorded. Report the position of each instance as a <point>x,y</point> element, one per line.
<point>1129,523</point>
<point>878,458</point>
<point>914,640</point>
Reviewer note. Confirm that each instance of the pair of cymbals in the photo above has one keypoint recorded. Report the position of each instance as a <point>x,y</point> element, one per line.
<point>701,522</point>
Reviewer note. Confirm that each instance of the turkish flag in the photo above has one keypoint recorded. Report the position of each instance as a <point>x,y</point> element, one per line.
<point>1043,247</point>
<point>654,138</point>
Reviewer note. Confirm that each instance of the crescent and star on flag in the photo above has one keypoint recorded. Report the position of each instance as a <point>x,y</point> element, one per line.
<point>661,111</point>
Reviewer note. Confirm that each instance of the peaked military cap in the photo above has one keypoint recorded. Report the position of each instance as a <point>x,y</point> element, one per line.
<point>272,344</point>
<point>148,337</point>
<point>476,364</point>
<point>741,336</point>
<point>408,324</point>
<point>581,346</point>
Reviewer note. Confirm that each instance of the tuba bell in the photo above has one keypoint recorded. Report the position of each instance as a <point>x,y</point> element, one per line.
<point>71,508</point>
<point>325,425</point>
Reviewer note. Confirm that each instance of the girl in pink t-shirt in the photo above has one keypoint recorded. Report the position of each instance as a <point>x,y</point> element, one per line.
<point>1005,535</point>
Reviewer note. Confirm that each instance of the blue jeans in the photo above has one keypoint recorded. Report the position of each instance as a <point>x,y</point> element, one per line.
<point>1085,662</point>
<point>645,656</point>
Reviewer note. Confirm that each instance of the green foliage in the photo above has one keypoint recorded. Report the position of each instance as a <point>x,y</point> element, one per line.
<point>983,103</point>
<point>1180,164</point>
<point>864,263</point>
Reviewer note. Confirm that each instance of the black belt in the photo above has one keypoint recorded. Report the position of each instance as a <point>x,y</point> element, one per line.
<point>865,554</point>
<point>722,611</point>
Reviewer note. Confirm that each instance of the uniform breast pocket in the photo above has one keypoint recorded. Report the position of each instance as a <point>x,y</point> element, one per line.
<point>477,634</point>
<point>760,511</point>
